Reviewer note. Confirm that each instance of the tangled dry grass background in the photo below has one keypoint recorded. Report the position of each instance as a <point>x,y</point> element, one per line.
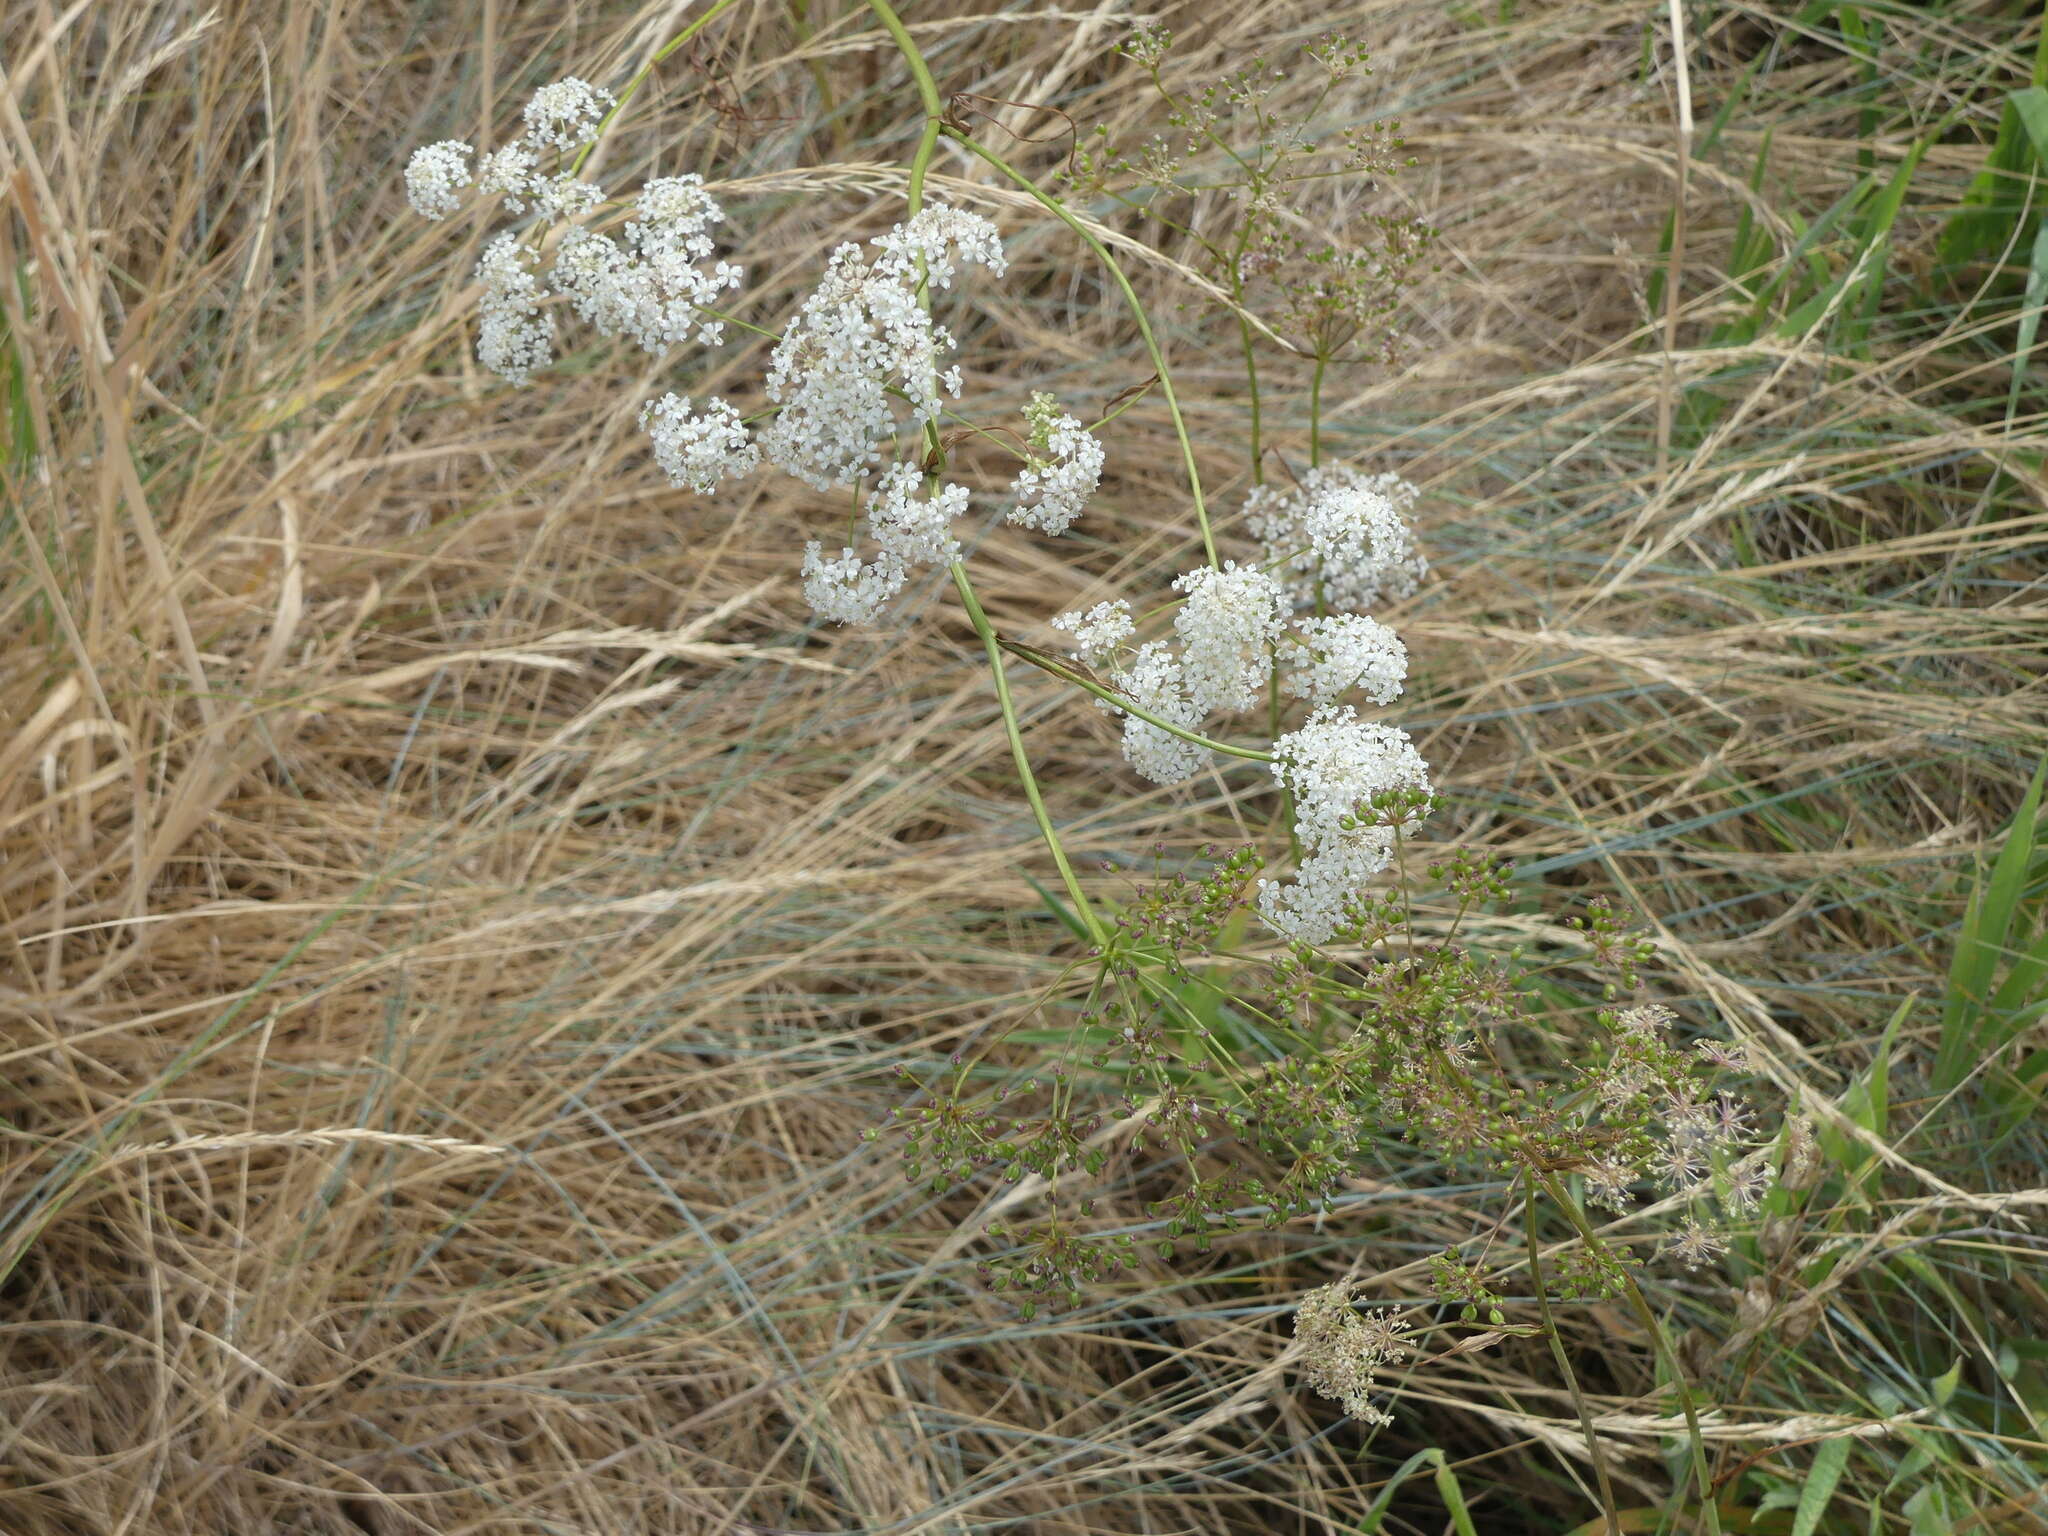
<point>459,911</point>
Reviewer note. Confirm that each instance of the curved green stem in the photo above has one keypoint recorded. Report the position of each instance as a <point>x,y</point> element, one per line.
<point>1058,210</point>
<point>1608,1507</point>
<point>1060,670</point>
<point>920,165</point>
<point>1640,1305</point>
<point>1013,729</point>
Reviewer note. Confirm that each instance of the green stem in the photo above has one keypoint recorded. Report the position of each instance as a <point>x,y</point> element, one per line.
<point>1641,1306</point>
<point>1058,210</point>
<point>1315,412</point>
<point>920,165</point>
<point>1014,731</point>
<point>1564,1365</point>
<point>1058,669</point>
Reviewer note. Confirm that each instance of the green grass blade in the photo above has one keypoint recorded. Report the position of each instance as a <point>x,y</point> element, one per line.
<point>1819,1491</point>
<point>1965,1037</point>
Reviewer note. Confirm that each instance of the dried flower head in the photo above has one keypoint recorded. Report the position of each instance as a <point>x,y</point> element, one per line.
<point>1342,1352</point>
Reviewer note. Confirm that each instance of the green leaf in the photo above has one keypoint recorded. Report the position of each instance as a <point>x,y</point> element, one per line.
<point>1059,909</point>
<point>1971,1027</point>
<point>1376,1512</point>
<point>1945,1384</point>
<point>2030,319</point>
<point>1819,1491</point>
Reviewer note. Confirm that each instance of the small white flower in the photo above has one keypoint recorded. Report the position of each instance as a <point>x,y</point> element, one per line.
<point>846,591</point>
<point>565,115</point>
<point>862,332</point>
<point>507,172</point>
<point>938,233</point>
<point>1345,652</point>
<point>913,529</point>
<point>1695,1245</point>
<point>1332,766</point>
<point>1053,491</point>
<point>1153,681</point>
<point>563,197</point>
<point>514,337</point>
<point>1100,632</point>
<point>698,451</point>
<point>1227,628</point>
<point>1610,1183</point>
<point>434,175</point>
<point>1340,536</point>
<point>651,287</point>
<point>1326,881</point>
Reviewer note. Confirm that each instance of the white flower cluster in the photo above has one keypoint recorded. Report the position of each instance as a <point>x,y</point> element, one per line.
<point>1053,491</point>
<point>434,175</point>
<point>1331,767</point>
<point>698,451</point>
<point>1100,632</point>
<point>653,284</point>
<point>1342,1352</point>
<point>513,337</point>
<point>1340,537</point>
<point>650,286</point>
<point>565,116</point>
<point>912,529</point>
<point>863,332</point>
<point>1227,628</point>
<point>1150,677</point>
<point>1348,650</point>
<point>1154,681</point>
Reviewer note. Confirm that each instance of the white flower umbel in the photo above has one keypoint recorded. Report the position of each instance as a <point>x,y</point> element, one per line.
<point>1099,633</point>
<point>698,451</point>
<point>845,590</point>
<point>1227,628</point>
<point>652,287</point>
<point>914,529</point>
<point>1153,681</point>
<point>1054,489</point>
<point>434,177</point>
<point>508,172</point>
<point>514,337</point>
<point>939,233</point>
<point>1332,766</point>
<point>1338,654</point>
<point>563,197</point>
<point>1340,537</point>
<point>860,333</point>
<point>670,232</point>
<point>1311,910</point>
<point>565,115</point>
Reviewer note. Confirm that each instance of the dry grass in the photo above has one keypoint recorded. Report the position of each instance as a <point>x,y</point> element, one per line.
<point>459,910</point>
